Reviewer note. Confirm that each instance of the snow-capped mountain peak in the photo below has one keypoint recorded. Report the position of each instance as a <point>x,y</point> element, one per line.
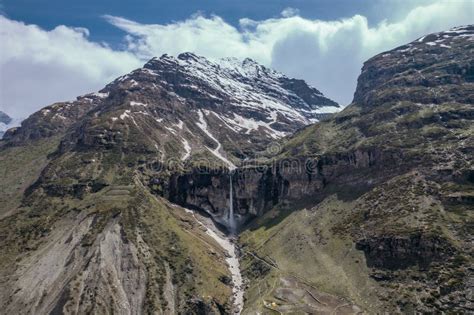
<point>242,83</point>
<point>188,106</point>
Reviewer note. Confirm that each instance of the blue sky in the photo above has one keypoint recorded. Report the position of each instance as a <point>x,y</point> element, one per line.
<point>88,13</point>
<point>56,50</point>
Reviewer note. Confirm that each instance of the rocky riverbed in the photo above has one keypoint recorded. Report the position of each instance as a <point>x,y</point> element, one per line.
<point>228,244</point>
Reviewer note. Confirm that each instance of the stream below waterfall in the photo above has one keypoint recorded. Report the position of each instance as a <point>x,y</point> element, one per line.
<point>227,243</point>
<point>231,218</point>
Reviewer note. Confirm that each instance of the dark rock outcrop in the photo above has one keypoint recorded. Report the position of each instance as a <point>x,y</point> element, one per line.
<point>400,252</point>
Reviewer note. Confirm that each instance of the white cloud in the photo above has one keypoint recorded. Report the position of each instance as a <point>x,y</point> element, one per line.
<point>211,37</point>
<point>289,12</point>
<point>39,67</point>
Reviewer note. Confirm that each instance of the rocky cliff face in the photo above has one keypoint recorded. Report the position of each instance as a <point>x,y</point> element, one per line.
<point>258,188</point>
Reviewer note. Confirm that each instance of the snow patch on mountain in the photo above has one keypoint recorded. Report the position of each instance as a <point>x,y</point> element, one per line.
<point>440,39</point>
<point>127,114</point>
<point>180,124</point>
<point>203,125</point>
<point>170,130</point>
<point>240,123</point>
<point>187,149</point>
<point>133,103</point>
<point>323,110</point>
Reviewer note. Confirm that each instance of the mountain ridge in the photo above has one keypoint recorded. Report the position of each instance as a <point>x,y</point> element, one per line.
<point>243,103</point>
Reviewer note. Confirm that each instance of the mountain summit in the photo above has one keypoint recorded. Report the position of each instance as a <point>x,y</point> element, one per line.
<point>241,86</point>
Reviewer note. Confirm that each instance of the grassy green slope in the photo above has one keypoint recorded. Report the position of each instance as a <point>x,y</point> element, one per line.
<point>20,166</point>
<point>303,245</point>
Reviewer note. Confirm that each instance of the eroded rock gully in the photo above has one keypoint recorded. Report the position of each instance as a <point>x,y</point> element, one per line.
<point>227,242</point>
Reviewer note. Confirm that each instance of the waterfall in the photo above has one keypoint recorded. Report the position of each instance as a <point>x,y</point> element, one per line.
<point>232,225</point>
